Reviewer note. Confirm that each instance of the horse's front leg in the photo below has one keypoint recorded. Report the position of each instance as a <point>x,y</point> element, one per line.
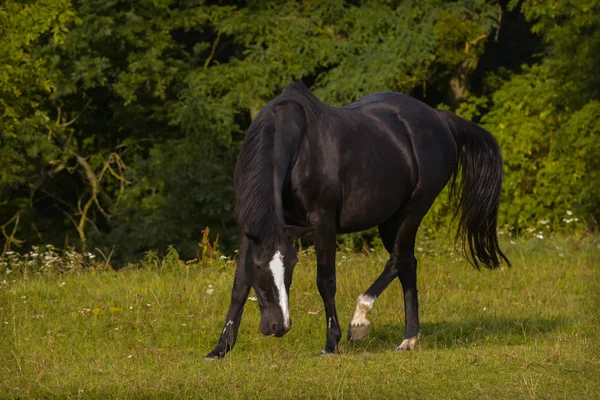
<point>239,294</point>
<point>325,247</point>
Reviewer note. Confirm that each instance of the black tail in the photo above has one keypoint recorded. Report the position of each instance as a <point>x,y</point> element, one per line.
<point>477,193</point>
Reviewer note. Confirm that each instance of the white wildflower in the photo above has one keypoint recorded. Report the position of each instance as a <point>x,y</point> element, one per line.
<point>569,212</point>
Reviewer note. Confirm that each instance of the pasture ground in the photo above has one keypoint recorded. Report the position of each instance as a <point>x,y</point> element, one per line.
<point>531,331</point>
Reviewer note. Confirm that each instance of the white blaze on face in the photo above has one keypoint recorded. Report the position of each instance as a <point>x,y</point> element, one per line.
<point>276,267</point>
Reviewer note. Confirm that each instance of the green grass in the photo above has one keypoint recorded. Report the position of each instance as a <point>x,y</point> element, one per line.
<point>531,331</point>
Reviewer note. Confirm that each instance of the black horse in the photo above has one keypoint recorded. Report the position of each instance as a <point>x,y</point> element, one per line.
<point>381,161</point>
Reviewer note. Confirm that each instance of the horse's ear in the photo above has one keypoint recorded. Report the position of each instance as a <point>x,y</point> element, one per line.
<point>294,232</point>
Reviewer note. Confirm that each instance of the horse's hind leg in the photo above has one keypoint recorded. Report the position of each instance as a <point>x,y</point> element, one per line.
<point>359,325</point>
<point>407,273</point>
<point>402,264</point>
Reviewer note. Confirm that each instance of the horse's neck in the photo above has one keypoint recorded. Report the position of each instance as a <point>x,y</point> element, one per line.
<point>264,163</point>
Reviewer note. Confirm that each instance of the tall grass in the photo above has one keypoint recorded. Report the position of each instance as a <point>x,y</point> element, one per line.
<point>531,331</point>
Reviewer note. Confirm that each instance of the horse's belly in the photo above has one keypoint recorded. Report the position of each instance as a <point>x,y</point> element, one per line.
<point>377,177</point>
<point>368,202</point>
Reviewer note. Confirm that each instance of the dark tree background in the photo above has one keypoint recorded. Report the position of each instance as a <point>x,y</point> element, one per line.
<point>120,121</point>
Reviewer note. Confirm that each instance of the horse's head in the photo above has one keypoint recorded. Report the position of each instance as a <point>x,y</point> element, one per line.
<point>269,269</point>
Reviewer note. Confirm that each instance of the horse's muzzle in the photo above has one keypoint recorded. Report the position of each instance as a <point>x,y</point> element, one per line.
<point>273,327</point>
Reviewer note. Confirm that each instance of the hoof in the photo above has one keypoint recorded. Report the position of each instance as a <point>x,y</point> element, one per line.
<point>327,353</point>
<point>212,356</point>
<point>356,333</point>
<point>408,344</point>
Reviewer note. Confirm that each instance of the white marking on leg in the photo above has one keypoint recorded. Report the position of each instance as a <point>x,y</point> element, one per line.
<point>329,321</point>
<point>408,344</point>
<point>276,267</point>
<point>227,325</point>
<point>364,304</point>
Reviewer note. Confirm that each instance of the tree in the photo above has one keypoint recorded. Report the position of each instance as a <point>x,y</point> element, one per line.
<point>546,119</point>
<point>121,121</point>
<point>26,153</point>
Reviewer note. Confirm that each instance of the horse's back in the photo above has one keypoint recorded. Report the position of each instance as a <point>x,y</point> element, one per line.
<point>366,159</point>
<point>432,143</point>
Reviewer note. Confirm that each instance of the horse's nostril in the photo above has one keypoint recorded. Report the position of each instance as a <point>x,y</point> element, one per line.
<point>274,328</point>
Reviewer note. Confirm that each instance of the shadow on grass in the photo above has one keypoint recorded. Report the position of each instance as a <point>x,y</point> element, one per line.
<point>450,334</point>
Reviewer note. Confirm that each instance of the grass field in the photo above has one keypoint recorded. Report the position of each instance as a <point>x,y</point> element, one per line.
<point>531,331</point>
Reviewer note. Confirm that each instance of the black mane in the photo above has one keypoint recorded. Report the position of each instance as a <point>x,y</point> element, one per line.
<point>255,193</point>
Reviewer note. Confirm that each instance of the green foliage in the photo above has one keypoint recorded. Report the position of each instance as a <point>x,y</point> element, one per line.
<point>177,192</point>
<point>546,120</point>
<point>120,107</point>
<point>345,51</point>
<point>26,153</point>
<point>120,121</point>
